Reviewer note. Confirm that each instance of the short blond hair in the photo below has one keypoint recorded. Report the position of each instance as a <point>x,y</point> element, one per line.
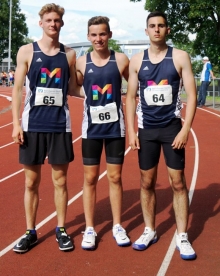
<point>52,8</point>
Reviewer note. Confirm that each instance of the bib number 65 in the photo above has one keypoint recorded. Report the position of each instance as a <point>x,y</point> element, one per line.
<point>49,100</point>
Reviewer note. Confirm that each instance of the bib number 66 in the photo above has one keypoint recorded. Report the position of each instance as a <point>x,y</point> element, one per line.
<point>104,116</point>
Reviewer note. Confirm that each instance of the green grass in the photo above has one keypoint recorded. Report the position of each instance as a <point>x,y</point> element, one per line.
<point>209,99</point>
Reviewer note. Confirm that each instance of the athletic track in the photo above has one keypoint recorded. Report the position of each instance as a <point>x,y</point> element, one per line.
<point>203,180</point>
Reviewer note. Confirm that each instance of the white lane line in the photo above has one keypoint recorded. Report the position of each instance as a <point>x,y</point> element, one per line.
<point>13,174</point>
<point>6,125</point>
<point>208,111</point>
<point>7,145</point>
<point>7,97</point>
<point>166,261</point>
<point>9,247</point>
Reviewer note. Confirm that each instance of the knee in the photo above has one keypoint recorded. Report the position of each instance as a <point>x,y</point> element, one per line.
<point>147,183</point>
<point>59,181</point>
<point>114,178</point>
<point>32,184</point>
<point>90,179</point>
<point>178,185</point>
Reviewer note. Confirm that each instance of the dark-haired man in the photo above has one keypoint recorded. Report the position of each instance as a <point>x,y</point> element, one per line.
<point>160,71</point>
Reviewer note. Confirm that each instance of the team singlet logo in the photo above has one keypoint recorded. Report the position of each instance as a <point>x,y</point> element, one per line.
<point>152,83</point>
<point>45,72</point>
<point>96,90</point>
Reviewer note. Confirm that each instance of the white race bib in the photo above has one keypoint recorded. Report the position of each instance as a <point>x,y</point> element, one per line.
<point>158,95</point>
<point>49,96</point>
<point>104,114</point>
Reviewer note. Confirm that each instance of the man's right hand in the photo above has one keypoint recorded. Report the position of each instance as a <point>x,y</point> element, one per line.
<point>17,135</point>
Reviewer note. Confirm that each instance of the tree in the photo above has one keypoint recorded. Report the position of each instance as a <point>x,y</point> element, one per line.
<point>112,44</point>
<point>198,17</point>
<point>19,30</point>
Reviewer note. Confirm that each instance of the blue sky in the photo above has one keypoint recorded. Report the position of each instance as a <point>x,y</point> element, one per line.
<point>127,19</point>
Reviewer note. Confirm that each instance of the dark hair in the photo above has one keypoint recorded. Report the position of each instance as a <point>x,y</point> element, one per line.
<point>155,14</point>
<point>96,20</point>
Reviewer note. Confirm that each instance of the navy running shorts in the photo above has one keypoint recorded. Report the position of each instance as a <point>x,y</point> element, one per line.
<point>37,145</point>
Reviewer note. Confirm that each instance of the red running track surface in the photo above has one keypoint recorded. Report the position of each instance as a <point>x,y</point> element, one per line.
<point>202,175</point>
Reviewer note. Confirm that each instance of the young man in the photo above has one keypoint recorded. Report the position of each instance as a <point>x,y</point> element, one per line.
<point>205,79</point>
<point>46,127</point>
<point>159,70</point>
<point>100,73</point>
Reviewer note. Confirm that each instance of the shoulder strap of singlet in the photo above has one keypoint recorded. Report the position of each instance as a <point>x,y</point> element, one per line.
<point>112,55</point>
<point>169,52</point>
<point>145,57</point>
<point>36,47</point>
<point>62,48</point>
<point>88,58</point>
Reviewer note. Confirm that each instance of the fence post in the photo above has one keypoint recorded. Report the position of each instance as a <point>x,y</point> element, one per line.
<point>213,98</point>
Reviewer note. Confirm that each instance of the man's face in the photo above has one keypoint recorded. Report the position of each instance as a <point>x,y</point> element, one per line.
<point>157,29</point>
<point>51,23</point>
<point>99,35</point>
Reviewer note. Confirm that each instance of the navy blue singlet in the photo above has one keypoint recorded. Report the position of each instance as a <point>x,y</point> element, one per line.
<point>151,76</point>
<point>102,87</point>
<point>46,108</point>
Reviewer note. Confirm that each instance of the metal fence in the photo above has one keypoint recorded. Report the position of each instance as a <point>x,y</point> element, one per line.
<point>213,89</point>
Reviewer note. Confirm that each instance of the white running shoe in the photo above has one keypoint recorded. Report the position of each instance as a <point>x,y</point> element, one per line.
<point>120,235</point>
<point>146,239</point>
<point>184,246</point>
<point>88,241</point>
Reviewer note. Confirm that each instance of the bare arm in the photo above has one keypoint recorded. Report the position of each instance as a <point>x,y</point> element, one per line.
<point>190,88</point>
<point>131,101</point>
<point>73,88</point>
<point>123,64</point>
<point>212,74</point>
<point>23,57</point>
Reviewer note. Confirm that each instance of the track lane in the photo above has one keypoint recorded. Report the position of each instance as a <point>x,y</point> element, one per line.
<point>116,260</point>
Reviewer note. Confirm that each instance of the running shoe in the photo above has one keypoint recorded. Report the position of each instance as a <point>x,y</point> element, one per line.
<point>88,242</point>
<point>120,235</point>
<point>184,246</point>
<point>26,242</point>
<point>146,239</point>
<point>63,239</point>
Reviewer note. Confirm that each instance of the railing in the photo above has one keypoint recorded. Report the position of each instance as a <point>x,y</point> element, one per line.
<point>215,83</point>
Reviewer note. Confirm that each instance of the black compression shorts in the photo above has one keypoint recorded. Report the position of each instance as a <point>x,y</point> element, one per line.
<point>92,150</point>
<point>151,141</point>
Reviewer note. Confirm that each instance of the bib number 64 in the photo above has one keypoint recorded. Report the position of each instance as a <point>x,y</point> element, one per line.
<point>158,98</point>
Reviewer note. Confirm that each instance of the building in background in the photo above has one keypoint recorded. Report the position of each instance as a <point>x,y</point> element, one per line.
<point>129,47</point>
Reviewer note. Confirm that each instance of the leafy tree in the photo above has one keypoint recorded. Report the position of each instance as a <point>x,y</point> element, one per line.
<point>198,17</point>
<point>197,66</point>
<point>112,44</point>
<point>28,40</point>
<point>19,28</point>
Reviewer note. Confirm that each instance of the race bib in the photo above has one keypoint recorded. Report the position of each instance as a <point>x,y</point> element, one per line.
<point>49,96</point>
<point>104,114</point>
<point>158,95</point>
